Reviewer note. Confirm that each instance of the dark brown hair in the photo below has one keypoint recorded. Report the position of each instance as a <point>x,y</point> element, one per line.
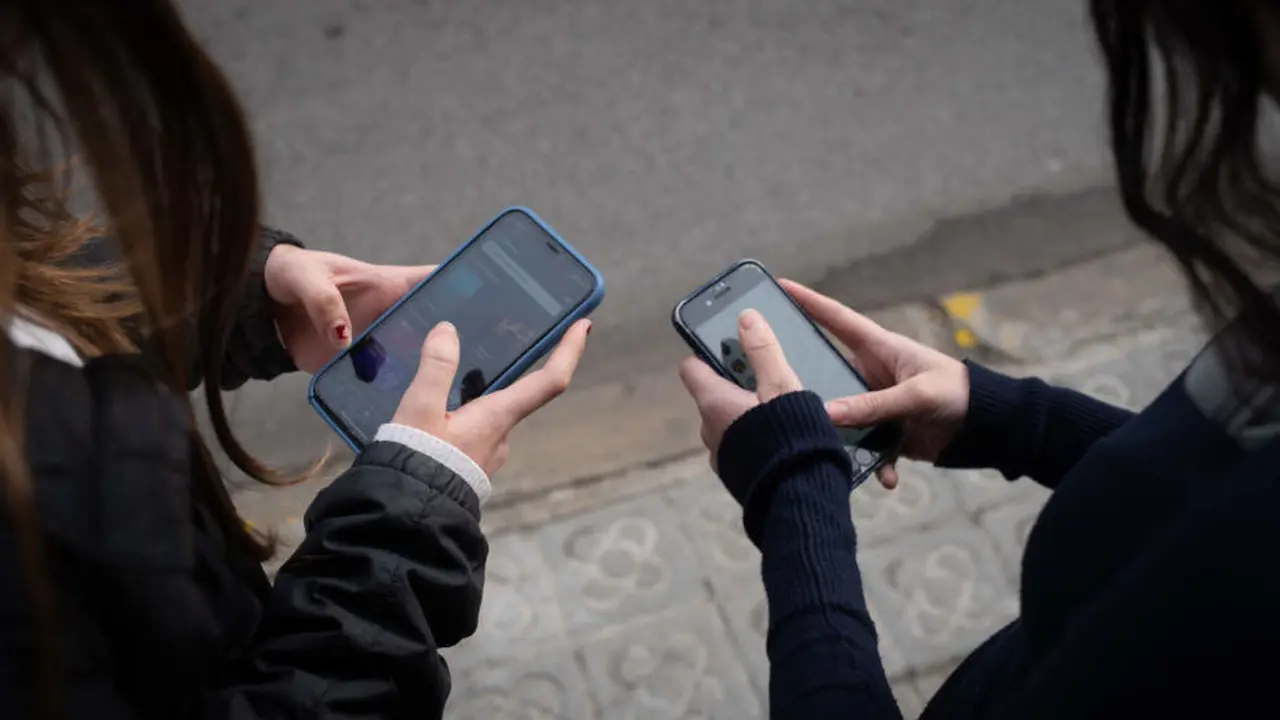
<point>1188,83</point>
<point>125,88</point>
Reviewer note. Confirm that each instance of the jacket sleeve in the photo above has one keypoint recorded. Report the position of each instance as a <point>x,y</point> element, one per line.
<point>254,349</point>
<point>1028,428</point>
<point>785,462</point>
<point>391,571</point>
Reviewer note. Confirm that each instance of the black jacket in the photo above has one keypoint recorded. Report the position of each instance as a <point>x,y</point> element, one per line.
<point>161,617</point>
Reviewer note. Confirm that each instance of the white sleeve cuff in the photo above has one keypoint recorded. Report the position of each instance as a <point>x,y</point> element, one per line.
<point>440,451</point>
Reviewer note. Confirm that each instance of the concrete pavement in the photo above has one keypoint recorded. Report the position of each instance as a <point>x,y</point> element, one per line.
<point>665,138</point>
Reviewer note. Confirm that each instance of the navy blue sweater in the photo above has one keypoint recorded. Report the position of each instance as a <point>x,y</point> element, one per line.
<point>1151,580</point>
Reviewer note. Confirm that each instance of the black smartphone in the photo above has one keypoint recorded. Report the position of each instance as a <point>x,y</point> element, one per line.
<point>708,322</point>
<point>511,292</point>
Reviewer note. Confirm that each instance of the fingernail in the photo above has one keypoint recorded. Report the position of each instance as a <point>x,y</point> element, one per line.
<point>835,407</point>
<point>341,332</point>
<point>590,325</point>
<point>447,327</point>
<point>748,319</point>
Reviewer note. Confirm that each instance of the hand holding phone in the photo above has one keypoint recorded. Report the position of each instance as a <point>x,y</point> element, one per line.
<point>708,320</point>
<point>925,389</point>
<point>480,428</point>
<point>511,293</point>
<point>721,402</point>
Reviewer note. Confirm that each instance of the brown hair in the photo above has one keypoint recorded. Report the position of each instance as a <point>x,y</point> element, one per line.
<point>123,86</point>
<point>1188,81</point>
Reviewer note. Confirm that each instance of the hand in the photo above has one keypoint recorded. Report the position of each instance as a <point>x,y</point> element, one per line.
<point>480,428</point>
<point>323,300</point>
<point>719,401</point>
<point>925,389</point>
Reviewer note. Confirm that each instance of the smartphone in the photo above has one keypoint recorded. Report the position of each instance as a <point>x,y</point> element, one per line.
<point>511,292</point>
<point>708,322</point>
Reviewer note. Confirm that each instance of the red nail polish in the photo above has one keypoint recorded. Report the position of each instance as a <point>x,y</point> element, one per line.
<point>342,332</point>
<point>590,326</point>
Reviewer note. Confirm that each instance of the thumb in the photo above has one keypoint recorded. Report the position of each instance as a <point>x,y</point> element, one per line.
<point>437,368</point>
<point>872,408</point>
<point>328,312</point>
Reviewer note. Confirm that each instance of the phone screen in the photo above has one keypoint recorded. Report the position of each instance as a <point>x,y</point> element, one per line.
<point>712,315</point>
<point>504,292</point>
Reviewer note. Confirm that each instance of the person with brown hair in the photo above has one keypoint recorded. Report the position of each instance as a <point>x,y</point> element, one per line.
<point>1149,584</point>
<point>129,587</point>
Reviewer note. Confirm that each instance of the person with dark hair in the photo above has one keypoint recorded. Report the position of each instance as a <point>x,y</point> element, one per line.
<point>1149,582</point>
<point>129,586</point>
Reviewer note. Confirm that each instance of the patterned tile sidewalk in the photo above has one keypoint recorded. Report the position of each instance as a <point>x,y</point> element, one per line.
<point>653,607</point>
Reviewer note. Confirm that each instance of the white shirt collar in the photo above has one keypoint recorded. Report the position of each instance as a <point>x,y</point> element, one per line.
<point>30,335</point>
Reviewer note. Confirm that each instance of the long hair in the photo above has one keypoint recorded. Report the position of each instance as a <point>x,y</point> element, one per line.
<point>122,87</point>
<point>1188,83</point>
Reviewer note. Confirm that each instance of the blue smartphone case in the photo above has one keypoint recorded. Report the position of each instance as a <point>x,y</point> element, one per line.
<point>520,366</point>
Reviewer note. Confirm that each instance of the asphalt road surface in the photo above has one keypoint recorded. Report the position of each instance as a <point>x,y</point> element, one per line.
<point>664,138</point>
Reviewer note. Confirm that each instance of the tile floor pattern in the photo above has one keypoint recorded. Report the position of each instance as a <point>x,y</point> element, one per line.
<point>653,608</point>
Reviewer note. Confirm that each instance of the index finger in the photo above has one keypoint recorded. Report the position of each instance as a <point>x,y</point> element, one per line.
<point>852,328</point>
<point>774,375</point>
<point>405,277</point>
<point>541,386</point>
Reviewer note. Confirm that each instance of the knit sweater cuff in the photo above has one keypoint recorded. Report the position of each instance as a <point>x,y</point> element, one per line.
<point>255,334</point>
<point>992,405</point>
<point>771,441</point>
